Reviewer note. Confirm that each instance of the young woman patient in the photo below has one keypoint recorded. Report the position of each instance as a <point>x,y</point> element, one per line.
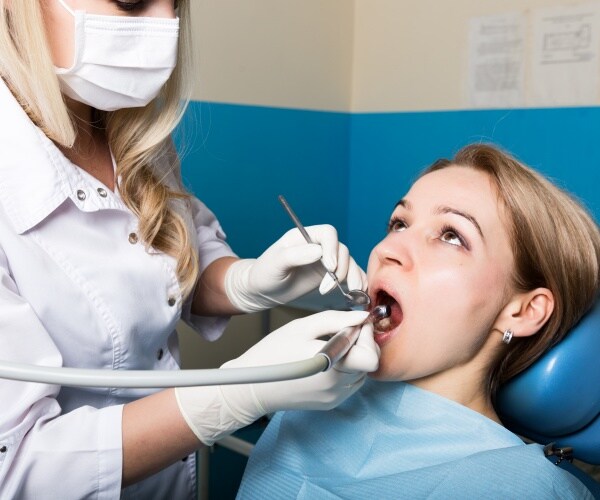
<point>485,266</point>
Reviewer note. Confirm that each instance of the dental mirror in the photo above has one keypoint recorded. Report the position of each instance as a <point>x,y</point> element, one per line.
<point>356,299</point>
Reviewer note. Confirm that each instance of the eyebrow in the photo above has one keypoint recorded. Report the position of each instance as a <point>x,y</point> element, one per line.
<point>404,203</point>
<point>446,210</point>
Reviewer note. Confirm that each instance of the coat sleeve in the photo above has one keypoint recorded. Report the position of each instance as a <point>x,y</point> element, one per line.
<point>204,227</point>
<point>42,451</point>
<point>211,245</point>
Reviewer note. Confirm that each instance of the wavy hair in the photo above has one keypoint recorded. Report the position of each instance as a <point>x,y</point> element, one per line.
<point>555,243</point>
<point>139,138</point>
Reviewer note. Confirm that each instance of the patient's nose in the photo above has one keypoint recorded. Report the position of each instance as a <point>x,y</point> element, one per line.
<point>394,250</point>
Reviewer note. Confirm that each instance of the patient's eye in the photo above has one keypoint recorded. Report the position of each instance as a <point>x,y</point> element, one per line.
<point>451,236</point>
<point>396,225</point>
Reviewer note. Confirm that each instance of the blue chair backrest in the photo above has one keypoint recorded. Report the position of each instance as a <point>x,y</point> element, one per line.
<point>557,399</point>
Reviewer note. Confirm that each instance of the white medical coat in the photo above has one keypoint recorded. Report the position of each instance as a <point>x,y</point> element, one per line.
<point>78,290</point>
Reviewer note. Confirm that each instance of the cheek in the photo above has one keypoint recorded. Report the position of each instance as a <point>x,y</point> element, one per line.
<point>460,319</point>
<point>463,288</point>
<point>461,304</point>
<point>446,323</point>
<point>165,9</point>
<point>60,29</point>
<point>372,265</point>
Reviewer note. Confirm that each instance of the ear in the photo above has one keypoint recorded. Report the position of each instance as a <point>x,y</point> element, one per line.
<point>526,313</point>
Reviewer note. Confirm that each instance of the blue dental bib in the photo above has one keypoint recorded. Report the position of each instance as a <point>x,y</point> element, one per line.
<point>394,440</point>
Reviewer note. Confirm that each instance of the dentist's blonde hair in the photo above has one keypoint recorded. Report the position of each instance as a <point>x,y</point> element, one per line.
<point>555,244</point>
<point>139,138</point>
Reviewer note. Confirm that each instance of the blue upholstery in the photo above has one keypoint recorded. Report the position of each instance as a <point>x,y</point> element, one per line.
<point>558,397</point>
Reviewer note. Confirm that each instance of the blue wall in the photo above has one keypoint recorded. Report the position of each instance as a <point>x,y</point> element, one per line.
<point>388,150</point>
<point>238,159</point>
<point>350,169</point>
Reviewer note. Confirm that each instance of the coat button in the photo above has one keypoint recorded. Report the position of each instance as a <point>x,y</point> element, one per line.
<point>102,192</point>
<point>3,449</point>
<point>171,301</point>
<point>159,354</point>
<point>133,238</point>
<point>81,194</point>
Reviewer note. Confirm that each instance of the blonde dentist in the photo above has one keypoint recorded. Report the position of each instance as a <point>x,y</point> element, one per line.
<point>102,252</point>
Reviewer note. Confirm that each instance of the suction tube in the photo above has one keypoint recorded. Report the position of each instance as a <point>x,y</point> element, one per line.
<point>334,350</point>
<point>78,377</point>
<point>339,345</point>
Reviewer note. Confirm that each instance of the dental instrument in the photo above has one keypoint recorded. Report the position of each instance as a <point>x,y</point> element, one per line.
<point>338,345</point>
<point>354,298</point>
<point>335,349</point>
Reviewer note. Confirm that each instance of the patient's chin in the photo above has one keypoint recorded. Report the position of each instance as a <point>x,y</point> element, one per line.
<point>392,367</point>
<point>375,375</point>
<point>382,374</point>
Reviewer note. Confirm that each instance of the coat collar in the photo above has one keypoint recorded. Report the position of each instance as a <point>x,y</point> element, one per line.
<point>35,177</point>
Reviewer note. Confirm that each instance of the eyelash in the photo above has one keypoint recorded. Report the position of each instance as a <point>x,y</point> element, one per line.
<point>393,221</point>
<point>129,7</point>
<point>445,229</point>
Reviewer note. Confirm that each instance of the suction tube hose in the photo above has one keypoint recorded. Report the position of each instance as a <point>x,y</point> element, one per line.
<point>76,377</point>
<point>334,350</point>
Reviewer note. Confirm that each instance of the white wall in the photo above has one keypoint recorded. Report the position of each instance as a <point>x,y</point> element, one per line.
<point>413,55</point>
<point>282,53</point>
<point>341,55</point>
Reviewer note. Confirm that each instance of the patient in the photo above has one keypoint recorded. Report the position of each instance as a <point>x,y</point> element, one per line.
<point>485,265</point>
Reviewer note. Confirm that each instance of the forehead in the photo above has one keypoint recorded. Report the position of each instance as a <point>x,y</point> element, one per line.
<point>465,189</point>
<point>460,187</point>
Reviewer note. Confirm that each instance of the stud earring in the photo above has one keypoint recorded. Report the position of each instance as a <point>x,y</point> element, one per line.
<point>508,335</point>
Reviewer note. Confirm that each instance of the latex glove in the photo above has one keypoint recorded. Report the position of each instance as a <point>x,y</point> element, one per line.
<point>290,268</point>
<point>215,411</point>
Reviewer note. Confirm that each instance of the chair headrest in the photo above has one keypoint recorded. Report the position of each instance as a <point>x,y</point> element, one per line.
<point>559,395</point>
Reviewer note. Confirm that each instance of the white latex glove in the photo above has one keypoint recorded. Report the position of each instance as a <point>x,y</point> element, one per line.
<point>215,411</point>
<point>290,268</point>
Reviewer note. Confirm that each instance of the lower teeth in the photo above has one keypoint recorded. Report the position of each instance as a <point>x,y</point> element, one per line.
<point>383,325</point>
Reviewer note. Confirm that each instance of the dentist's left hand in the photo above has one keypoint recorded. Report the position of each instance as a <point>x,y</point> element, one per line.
<point>216,411</point>
<point>290,268</point>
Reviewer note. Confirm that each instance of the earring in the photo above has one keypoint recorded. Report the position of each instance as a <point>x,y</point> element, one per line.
<point>508,335</point>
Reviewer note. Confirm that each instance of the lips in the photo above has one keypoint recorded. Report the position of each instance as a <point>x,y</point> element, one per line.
<point>383,297</point>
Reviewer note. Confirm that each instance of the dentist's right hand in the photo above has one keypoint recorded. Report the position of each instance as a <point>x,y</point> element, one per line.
<point>213,412</point>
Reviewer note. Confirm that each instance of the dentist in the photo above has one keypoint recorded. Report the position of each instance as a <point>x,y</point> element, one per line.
<point>102,251</point>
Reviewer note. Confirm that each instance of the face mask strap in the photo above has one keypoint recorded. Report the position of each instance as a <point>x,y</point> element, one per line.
<point>67,8</point>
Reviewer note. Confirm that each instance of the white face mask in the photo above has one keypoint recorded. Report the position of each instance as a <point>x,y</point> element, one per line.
<point>120,62</point>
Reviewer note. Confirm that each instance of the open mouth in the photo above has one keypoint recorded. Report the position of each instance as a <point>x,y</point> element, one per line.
<point>394,319</point>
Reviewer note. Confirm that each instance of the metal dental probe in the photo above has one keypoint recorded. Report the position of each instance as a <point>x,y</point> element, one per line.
<point>356,298</point>
<point>338,345</point>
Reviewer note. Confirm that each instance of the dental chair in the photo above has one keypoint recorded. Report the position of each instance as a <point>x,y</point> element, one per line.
<point>556,401</point>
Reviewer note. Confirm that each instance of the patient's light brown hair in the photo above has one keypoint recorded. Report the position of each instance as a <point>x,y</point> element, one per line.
<point>555,243</point>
